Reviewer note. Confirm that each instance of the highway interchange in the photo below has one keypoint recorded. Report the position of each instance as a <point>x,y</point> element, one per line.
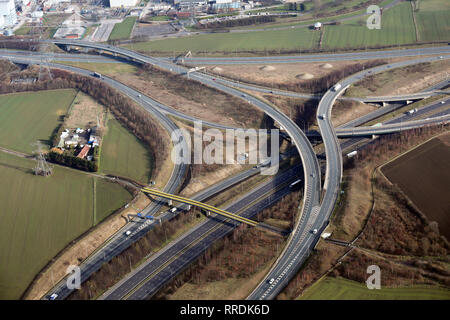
<point>313,214</point>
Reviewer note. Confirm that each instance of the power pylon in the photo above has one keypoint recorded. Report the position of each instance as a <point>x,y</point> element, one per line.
<point>44,67</point>
<point>42,167</point>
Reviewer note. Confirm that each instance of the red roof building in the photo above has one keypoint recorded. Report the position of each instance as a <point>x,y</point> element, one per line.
<point>83,153</point>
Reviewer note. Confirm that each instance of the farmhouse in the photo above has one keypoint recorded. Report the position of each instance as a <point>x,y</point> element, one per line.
<point>83,153</point>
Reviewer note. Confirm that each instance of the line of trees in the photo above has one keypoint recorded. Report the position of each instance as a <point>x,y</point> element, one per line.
<point>133,117</point>
<point>119,266</point>
<point>238,254</point>
<point>321,10</point>
<point>72,161</point>
<point>394,227</point>
<point>294,6</point>
<point>237,22</point>
<point>19,44</point>
<point>319,85</point>
<point>227,105</point>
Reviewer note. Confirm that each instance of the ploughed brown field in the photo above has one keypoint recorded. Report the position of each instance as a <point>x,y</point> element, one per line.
<point>423,174</point>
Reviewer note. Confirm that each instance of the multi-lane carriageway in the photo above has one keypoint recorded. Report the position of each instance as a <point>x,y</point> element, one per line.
<point>205,78</point>
<point>293,251</point>
<point>312,180</point>
<point>211,209</point>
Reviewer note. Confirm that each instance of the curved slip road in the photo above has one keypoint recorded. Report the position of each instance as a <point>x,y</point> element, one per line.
<point>309,160</point>
<point>292,257</point>
<point>119,242</point>
<point>286,269</point>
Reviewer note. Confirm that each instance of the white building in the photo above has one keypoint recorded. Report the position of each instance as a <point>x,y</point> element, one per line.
<point>122,3</point>
<point>8,12</point>
<point>37,14</point>
<point>225,4</point>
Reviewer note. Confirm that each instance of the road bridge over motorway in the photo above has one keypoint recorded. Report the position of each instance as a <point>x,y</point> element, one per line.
<point>286,267</point>
<point>292,257</point>
<point>209,208</point>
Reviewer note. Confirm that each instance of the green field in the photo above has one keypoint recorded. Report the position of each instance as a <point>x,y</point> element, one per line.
<point>27,117</point>
<point>122,31</point>
<point>39,216</point>
<point>342,289</point>
<point>22,31</point>
<point>124,155</point>
<point>258,41</point>
<point>433,20</point>
<point>160,18</point>
<point>397,27</point>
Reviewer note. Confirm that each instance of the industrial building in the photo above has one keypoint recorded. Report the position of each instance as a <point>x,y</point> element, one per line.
<point>8,16</point>
<point>224,5</point>
<point>122,3</point>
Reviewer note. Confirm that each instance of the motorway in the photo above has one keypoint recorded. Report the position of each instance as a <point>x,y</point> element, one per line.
<point>286,268</point>
<point>119,241</point>
<point>396,126</point>
<point>51,56</point>
<point>321,57</point>
<point>312,188</point>
<point>309,160</point>
<point>160,268</point>
<point>209,208</point>
<point>434,90</point>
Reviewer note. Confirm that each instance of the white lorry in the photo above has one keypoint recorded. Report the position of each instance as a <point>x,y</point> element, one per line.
<point>337,86</point>
<point>351,154</point>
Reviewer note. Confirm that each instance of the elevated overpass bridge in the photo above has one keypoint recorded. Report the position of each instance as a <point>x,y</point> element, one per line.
<point>211,209</point>
<point>405,98</point>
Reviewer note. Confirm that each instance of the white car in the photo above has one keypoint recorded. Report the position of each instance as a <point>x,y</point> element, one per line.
<point>139,95</point>
<point>442,102</point>
<point>271,281</point>
<point>314,231</point>
<point>53,296</point>
<point>128,233</point>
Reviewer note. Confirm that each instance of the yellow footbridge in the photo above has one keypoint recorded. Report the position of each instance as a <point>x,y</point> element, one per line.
<point>198,204</point>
